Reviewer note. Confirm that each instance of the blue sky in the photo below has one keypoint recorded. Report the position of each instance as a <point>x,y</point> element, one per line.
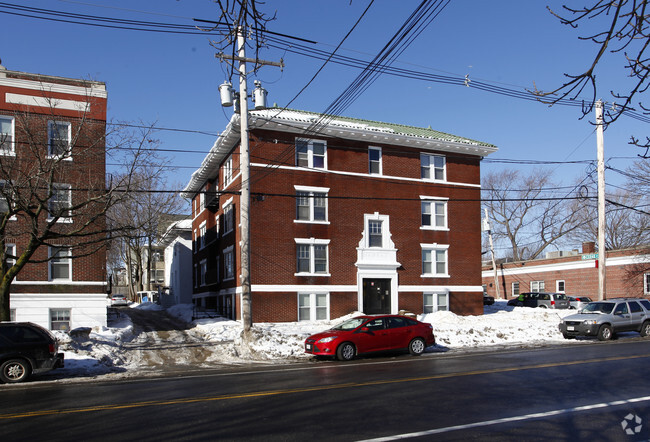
<point>172,80</point>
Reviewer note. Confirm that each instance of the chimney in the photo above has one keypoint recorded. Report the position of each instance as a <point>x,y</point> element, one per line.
<point>589,247</point>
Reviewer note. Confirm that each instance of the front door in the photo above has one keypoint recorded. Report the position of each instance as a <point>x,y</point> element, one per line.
<point>376,296</point>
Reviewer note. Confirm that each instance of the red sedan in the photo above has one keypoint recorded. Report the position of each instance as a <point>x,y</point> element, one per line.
<point>366,334</point>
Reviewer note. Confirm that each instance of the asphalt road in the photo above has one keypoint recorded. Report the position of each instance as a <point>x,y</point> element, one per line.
<point>571,392</point>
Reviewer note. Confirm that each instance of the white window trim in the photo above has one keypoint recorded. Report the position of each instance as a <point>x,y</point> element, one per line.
<point>386,240</point>
<point>229,250</point>
<point>434,247</point>
<point>435,297</point>
<point>311,190</point>
<point>69,310</point>
<point>228,212</point>
<point>537,282</point>
<point>646,283</point>
<point>310,152</point>
<point>68,155</point>
<point>512,287</point>
<point>432,168</point>
<point>557,286</point>
<point>202,232</point>
<point>434,199</point>
<point>62,219</point>
<point>12,144</point>
<point>312,242</point>
<point>14,252</point>
<point>51,262</point>
<point>312,305</point>
<point>381,161</point>
<point>227,172</point>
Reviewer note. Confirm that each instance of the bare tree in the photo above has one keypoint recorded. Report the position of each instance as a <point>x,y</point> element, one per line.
<point>623,29</point>
<point>523,215</point>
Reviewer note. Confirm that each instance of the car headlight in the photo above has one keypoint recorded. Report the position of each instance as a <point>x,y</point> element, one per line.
<point>326,340</point>
<point>589,321</point>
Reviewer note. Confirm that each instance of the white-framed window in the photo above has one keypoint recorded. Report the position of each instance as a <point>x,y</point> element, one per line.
<point>60,264</point>
<point>375,233</point>
<point>217,226</point>
<point>203,269</point>
<point>646,283</point>
<point>59,138</point>
<point>10,254</point>
<point>228,219</point>
<point>60,319</point>
<point>374,161</point>
<point>5,190</point>
<point>537,286</point>
<point>311,153</point>
<point>7,135</point>
<point>312,257</point>
<point>157,276</point>
<point>60,202</point>
<point>313,306</point>
<point>434,302</point>
<point>195,243</point>
<point>228,263</point>
<point>433,167</point>
<point>311,204</point>
<point>515,288</point>
<point>434,260</point>
<point>560,286</point>
<point>227,171</point>
<point>202,233</point>
<point>434,214</point>
<point>202,200</point>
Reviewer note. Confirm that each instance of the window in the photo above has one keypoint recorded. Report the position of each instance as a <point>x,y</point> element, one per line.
<point>374,161</point>
<point>12,314</point>
<point>60,264</point>
<point>10,255</point>
<point>559,286</point>
<point>60,202</point>
<point>515,288</point>
<point>311,204</point>
<point>311,153</point>
<point>434,260</point>
<point>434,214</point>
<point>6,135</point>
<point>432,167</point>
<point>58,139</point>
<point>195,243</point>
<point>4,193</point>
<point>646,283</point>
<point>375,235</point>
<point>228,263</point>
<point>201,201</point>
<point>217,226</point>
<point>157,276</point>
<point>537,286</point>
<point>227,172</point>
<point>311,256</point>
<point>434,302</point>
<point>203,270</point>
<point>60,319</point>
<point>621,309</point>
<point>228,219</point>
<point>312,306</point>
<point>202,233</point>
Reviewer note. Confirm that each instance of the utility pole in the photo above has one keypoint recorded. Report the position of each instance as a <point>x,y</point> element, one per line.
<point>486,227</point>
<point>602,287</point>
<point>244,159</point>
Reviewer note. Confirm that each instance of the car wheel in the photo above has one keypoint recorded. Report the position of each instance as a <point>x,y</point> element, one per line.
<point>417,346</point>
<point>14,370</point>
<point>542,306</point>
<point>605,333</point>
<point>645,329</point>
<point>345,352</point>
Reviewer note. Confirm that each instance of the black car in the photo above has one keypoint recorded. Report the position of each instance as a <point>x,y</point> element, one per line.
<point>487,299</point>
<point>26,349</point>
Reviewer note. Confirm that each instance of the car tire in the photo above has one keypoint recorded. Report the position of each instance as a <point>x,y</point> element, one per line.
<point>14,370</point>
<point>345,352</point>
<point>645,329</point>
<point>542,306</point>
<point>605,333</point>
<point>417,346</point>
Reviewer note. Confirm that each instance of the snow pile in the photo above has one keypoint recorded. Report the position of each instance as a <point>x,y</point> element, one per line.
<point>116,349</point>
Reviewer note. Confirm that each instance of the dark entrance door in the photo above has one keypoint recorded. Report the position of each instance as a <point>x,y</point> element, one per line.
<point>376,296</point>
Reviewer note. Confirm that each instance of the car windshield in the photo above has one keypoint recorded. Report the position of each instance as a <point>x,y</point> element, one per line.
<point>350,324</point>
<point>598,307</point>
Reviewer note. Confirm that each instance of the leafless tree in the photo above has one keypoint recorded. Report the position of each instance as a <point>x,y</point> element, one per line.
<point>524,215</point>
<point>623,30</point>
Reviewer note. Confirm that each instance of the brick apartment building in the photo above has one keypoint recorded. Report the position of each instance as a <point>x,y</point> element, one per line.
<point>358,216</point>
<point>52,132</point>
<point>575,273</point>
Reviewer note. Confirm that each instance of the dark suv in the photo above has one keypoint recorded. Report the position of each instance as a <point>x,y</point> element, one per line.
<point>26,348</point>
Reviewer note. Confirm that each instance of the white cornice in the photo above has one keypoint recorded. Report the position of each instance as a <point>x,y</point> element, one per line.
<point>96,90</point>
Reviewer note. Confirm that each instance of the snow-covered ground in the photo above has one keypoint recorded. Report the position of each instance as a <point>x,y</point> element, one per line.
<point>109,352</point>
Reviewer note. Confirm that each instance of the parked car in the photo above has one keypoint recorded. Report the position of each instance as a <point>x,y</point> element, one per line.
<point>26,349</point>
<point>578,302</point>
<point>118,300</point>
<point>606,318</point>
<point>488,300</point>
<point>366,334</point>
<point>541,299</point>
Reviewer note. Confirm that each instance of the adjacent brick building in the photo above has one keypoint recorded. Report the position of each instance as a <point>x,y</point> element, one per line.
<point>575,273</point>
<point>355,215</point>
<point>52,139</point>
